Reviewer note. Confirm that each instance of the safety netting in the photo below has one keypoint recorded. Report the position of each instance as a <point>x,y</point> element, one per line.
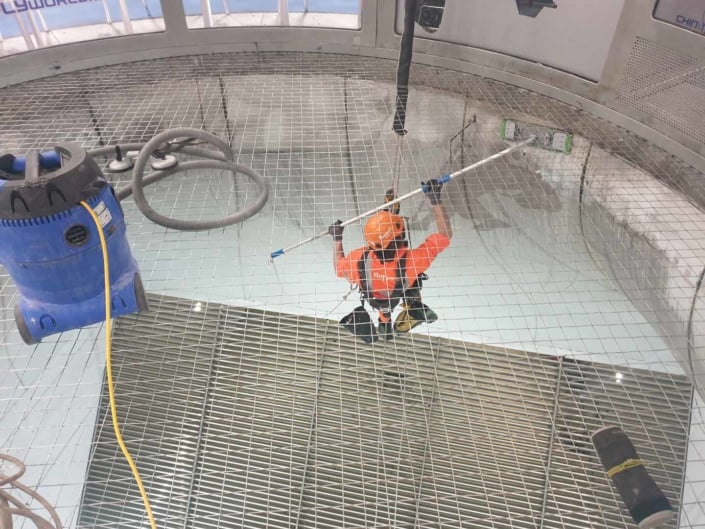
<point>569,299</point>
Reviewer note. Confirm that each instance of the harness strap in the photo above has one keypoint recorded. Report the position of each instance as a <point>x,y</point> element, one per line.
<point>400,287</point>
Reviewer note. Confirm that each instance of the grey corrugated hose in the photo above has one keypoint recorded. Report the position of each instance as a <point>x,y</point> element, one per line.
<point>222,160</point>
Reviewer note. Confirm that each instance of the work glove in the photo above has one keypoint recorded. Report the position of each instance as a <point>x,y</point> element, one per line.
<point>433,188</point>
<point>336,231</point>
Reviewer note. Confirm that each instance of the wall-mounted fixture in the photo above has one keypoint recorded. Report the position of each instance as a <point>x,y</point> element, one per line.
<point>531,8</point>
<point>430,14</point>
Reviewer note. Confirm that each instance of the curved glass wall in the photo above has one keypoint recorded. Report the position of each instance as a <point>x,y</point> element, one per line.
<point>341,14</point>
<point>32,24</point>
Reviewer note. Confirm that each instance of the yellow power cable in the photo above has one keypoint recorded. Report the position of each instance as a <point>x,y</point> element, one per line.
<point>109,368</point>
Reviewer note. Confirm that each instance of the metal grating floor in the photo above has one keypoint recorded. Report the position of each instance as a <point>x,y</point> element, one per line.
<point>543,260</point>
<point>249,418</point>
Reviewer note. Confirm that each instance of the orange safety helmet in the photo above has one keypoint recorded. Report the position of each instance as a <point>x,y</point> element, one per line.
<point>382,229</point>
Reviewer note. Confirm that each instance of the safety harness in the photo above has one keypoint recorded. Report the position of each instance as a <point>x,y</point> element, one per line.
<point>401,285</point>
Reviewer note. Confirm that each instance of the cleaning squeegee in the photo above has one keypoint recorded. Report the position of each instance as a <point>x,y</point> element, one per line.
<point>546,137</point>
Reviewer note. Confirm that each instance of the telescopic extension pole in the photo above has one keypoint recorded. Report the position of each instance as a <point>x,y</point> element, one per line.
<point>443,179</point>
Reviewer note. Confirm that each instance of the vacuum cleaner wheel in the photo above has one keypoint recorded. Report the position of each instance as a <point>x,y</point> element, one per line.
<point>22,327</point>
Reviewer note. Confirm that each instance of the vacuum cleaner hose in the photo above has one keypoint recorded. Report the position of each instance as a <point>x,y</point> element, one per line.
<point>222,160</point>
<point>646,502</point>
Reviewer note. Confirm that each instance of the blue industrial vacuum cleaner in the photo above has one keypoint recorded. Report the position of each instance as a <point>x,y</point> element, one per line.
<point>50,245</point>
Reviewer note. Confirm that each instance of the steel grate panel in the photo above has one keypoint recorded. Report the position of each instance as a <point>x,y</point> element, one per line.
<point>488,407</point>
<point>160,375</point>
<point>316,430</point>
<point>263,411</point>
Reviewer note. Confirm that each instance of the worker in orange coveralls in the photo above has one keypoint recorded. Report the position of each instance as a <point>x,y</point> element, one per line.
<point>388,272</point>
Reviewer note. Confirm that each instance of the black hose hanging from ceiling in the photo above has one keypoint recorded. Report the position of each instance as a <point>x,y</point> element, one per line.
<point>405,51</point>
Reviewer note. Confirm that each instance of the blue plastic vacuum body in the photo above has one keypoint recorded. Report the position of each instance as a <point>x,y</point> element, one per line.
<point>51,248</point>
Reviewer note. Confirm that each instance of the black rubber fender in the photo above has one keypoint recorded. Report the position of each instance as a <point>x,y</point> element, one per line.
<point>140,295</point>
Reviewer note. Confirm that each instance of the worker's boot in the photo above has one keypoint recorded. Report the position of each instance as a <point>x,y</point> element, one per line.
<point>359,323</point>
<point>414,314</point>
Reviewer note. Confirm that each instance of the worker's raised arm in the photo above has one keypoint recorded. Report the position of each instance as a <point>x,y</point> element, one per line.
<point>433,189</point>
<point>442,220</point>
<point>336,231</point>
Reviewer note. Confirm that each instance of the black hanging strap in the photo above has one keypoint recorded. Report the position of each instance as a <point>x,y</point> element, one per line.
<point>405,52</point>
